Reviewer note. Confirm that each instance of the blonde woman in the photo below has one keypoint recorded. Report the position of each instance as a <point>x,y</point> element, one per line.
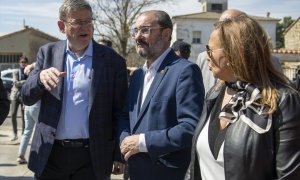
<point>250,125</point>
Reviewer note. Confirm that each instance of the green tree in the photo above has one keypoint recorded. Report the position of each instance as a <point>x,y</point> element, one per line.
<point>115,18</point>
<point>280,28</point>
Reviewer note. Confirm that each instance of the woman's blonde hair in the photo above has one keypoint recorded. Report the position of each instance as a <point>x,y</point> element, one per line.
<point>247,48</point>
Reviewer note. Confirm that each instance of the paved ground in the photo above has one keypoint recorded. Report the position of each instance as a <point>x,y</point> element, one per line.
<point>9,168</point>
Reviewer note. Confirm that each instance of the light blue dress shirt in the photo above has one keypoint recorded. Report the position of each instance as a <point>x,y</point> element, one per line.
<point>74,120</point>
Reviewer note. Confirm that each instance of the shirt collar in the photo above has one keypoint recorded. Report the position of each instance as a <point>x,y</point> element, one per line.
<point>87,52</point>
<point>156,64</point>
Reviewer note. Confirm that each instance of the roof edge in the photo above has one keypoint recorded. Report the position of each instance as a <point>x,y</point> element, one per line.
<point>28,28</point>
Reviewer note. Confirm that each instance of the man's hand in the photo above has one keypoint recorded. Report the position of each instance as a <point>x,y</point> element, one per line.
<point>130,146</point>
<point>50,77</point>
<point>29,68</point>
<point>118,168</point>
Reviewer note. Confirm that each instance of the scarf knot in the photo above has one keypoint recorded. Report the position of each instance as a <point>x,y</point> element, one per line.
<point>246,105</point>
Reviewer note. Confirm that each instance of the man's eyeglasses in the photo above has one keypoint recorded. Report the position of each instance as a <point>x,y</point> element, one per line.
<point>144,30</point>
<point>78,23</point>
<point>23,62</point>
<point>209,51</point>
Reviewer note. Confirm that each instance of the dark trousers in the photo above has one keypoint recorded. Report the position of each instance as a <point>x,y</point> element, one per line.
<point>14,110</point>
<point>68,163</point>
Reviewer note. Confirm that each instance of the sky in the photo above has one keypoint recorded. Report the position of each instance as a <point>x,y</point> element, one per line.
<point>43,14</point>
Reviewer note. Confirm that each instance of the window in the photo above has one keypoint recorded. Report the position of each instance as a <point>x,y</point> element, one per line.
<point>216,7</point>
<point>10,57</point>
<point>196,37</point>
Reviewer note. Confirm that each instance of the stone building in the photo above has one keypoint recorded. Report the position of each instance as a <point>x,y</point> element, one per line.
<point>292,36</point>
<point>290,54</point>
<point>23,42</point>
<point>196,28</point>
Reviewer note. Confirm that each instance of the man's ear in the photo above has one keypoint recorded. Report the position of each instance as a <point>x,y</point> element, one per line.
<point>166,34</point>
<point>61,26</point>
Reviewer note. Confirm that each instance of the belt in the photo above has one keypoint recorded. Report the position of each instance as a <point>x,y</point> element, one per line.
<point>73,143</point>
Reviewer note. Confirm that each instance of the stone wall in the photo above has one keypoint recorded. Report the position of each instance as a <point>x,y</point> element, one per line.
<point>292,37</point>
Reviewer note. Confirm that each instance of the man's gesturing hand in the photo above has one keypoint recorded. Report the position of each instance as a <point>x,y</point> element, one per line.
<point>50,77</point>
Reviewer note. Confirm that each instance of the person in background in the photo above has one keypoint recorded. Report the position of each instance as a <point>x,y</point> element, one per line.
<point>82,87</point>
<point>208,79</point>
<point>30,116</point>
<point>277,64</point>
<point>182,49</point>
<point>250,127</point>
<point>19,78</point>
<point>164,103</point>
<point>4,103</point>
<point>105,42</point>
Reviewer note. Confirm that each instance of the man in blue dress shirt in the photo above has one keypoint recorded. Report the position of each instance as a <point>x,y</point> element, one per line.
<point>82,86</point>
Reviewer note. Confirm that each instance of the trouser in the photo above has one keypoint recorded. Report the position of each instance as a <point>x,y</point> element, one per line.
<point>68,163</point>
<point>31,117</point>
<point>14,110</point>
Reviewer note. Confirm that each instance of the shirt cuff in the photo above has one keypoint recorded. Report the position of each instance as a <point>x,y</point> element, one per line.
<point>142,143</point>
<point>40,82</point>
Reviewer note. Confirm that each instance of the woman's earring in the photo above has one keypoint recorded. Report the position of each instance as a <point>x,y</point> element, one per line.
<point>228,64</point>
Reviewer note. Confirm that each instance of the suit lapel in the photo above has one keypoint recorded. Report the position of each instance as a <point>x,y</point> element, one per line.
<point>161,72</point>
<point>98,68</point>
<point>156,81</point>
<point>58,63</point>
<point>207,108</point>
<point>140,85</point>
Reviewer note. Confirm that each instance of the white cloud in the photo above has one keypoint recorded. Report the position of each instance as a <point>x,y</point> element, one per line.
<point>30,9</point>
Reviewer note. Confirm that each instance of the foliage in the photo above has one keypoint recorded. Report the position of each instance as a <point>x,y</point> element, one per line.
<point>114,18</point>
<point>280,28</point>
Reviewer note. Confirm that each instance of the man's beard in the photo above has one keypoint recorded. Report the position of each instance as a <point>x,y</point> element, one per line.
<point>151,50</point>
<point>142,52</point>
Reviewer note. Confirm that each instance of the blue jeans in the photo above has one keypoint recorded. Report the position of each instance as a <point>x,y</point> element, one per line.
<point>31,117</point>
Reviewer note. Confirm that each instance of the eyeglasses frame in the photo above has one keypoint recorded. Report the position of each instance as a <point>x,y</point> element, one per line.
<point>209,51</point>
<point>135,31</point>
<point>79,23</point>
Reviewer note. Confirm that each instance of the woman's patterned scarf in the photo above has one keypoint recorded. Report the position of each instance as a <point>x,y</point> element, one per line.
<point>246,106</point>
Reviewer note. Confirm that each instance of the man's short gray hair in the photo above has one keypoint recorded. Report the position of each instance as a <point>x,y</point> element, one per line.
<point>69,6</point>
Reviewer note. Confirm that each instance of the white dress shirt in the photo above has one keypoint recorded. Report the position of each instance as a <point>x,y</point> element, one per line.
<point>150,73</point>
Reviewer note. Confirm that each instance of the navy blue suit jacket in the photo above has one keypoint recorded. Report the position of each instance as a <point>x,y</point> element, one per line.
<point>108,89</point>
<point>168,118</point>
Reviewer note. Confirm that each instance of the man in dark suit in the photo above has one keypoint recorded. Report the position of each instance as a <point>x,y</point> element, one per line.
<point>82,86</point>
<point>182,49</point>
<point>164,103</point>
<point>4,103</point>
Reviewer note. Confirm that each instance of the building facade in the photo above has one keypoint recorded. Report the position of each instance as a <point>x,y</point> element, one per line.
<point>292,36</point>
<point>196,28</point>
<point>23,42</point>
<point>290,55</point>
